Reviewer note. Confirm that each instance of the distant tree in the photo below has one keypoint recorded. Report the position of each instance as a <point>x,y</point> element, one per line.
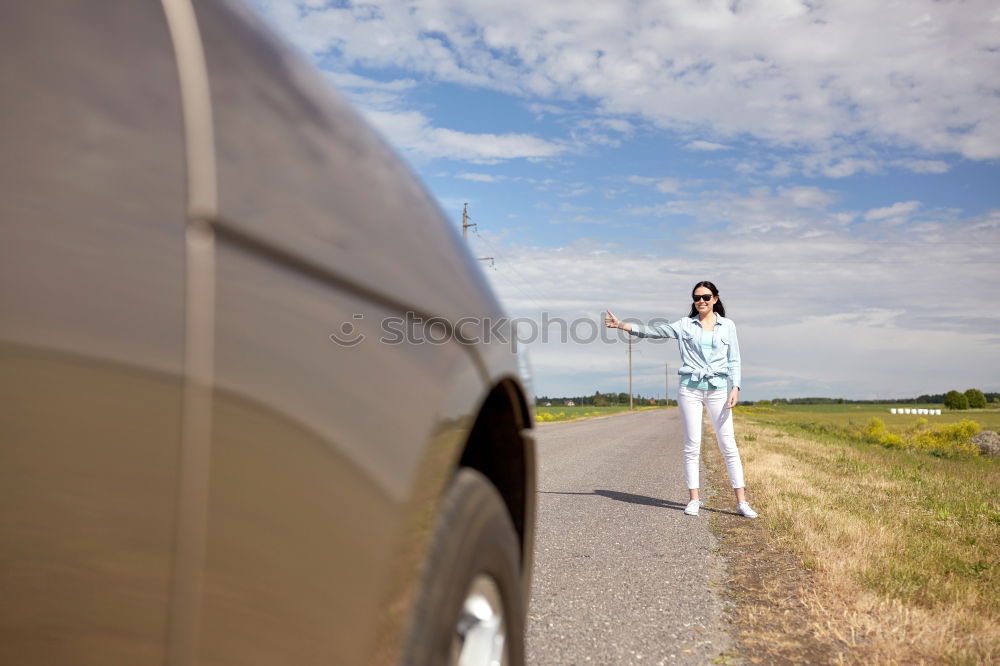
<point>976,398</point>
<point>956,400</point>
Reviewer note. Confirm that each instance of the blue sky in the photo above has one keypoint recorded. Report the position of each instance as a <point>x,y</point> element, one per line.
<point>832,167</point>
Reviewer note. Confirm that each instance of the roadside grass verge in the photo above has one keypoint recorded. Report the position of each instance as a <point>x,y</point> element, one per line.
<point>561,413</point>
<point>862,554</point>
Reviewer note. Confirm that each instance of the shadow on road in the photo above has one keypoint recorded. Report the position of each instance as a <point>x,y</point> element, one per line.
<point>637,499</point>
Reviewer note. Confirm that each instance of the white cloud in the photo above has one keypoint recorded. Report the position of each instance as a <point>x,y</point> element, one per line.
<point>412,132</point>
<point>547,109</point>
<point>706,146</point>
<point>349,80</point>
<point>809,197</point>
<point>897,211</point>
<point>373,94</point>
<point>920,74</point>
<point>576,192</point>
<point>781,170</point>
<point>617,124</point>
<point>668,185</point>
<point>598,131</point>
<point>836,158</point>
<point>845,167</point>
<point>924,166</point>
<point>665,185</point>
<point>478,177</point>
<point>990,222</point>
<point>763,213</point>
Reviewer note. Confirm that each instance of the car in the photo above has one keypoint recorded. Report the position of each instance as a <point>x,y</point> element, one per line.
<point>248,413</point>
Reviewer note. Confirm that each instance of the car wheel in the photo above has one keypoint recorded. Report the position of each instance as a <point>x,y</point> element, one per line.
<point>470,609</point>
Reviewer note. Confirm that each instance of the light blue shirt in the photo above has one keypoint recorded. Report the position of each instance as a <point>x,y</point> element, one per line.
<point>718,363</point>
<point>705,341</point>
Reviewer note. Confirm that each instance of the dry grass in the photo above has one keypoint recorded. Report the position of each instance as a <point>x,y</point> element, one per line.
<point>863,554</point>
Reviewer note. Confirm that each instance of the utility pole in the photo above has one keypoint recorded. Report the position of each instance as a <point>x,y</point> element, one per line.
<point>465,232</point>
<point>465,221</point>
<point>667,394</point>
<point>630,372</point>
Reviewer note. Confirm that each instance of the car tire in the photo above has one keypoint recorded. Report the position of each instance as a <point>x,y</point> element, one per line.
<point>471,588</point>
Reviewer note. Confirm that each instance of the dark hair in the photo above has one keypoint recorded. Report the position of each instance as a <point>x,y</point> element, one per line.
<point>718,307</point>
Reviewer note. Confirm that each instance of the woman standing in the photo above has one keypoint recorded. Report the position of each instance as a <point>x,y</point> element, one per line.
<point>710,377</point>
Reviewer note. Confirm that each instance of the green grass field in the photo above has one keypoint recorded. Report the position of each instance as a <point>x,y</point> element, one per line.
<point>844,415</point>
<point>905,546</point>
<point>560,413</point>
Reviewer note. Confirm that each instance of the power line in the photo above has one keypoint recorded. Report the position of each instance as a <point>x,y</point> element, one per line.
<point>507,264</point>
<point>513,284</point>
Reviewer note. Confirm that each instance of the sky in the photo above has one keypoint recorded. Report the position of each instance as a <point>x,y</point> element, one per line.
<point>831,166</point>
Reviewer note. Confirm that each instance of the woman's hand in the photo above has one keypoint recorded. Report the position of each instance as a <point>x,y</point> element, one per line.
<point>734,397</point>
<point>611,321</point>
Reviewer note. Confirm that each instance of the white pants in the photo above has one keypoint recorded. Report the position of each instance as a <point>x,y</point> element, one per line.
<point>690,402</point>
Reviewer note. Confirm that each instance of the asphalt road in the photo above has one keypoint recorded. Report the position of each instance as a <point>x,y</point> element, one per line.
<point>621,575</point>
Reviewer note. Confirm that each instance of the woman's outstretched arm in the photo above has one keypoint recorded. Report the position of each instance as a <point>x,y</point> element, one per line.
<point>659,330</point>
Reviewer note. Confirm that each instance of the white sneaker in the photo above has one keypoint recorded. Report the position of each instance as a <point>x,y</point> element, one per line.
<point>692,508</point>
<point>745,510</point>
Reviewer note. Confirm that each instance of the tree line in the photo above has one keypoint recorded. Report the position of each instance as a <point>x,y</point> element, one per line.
<point>602,400</point>
<point>971,398</point>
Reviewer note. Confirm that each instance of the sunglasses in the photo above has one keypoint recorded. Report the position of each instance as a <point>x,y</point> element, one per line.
<point>703,297</point>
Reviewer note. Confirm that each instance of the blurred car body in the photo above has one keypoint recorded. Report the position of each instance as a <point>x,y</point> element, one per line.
<point>191,469</point>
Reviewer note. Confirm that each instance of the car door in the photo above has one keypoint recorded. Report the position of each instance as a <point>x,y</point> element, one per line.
<point>92,214</point>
